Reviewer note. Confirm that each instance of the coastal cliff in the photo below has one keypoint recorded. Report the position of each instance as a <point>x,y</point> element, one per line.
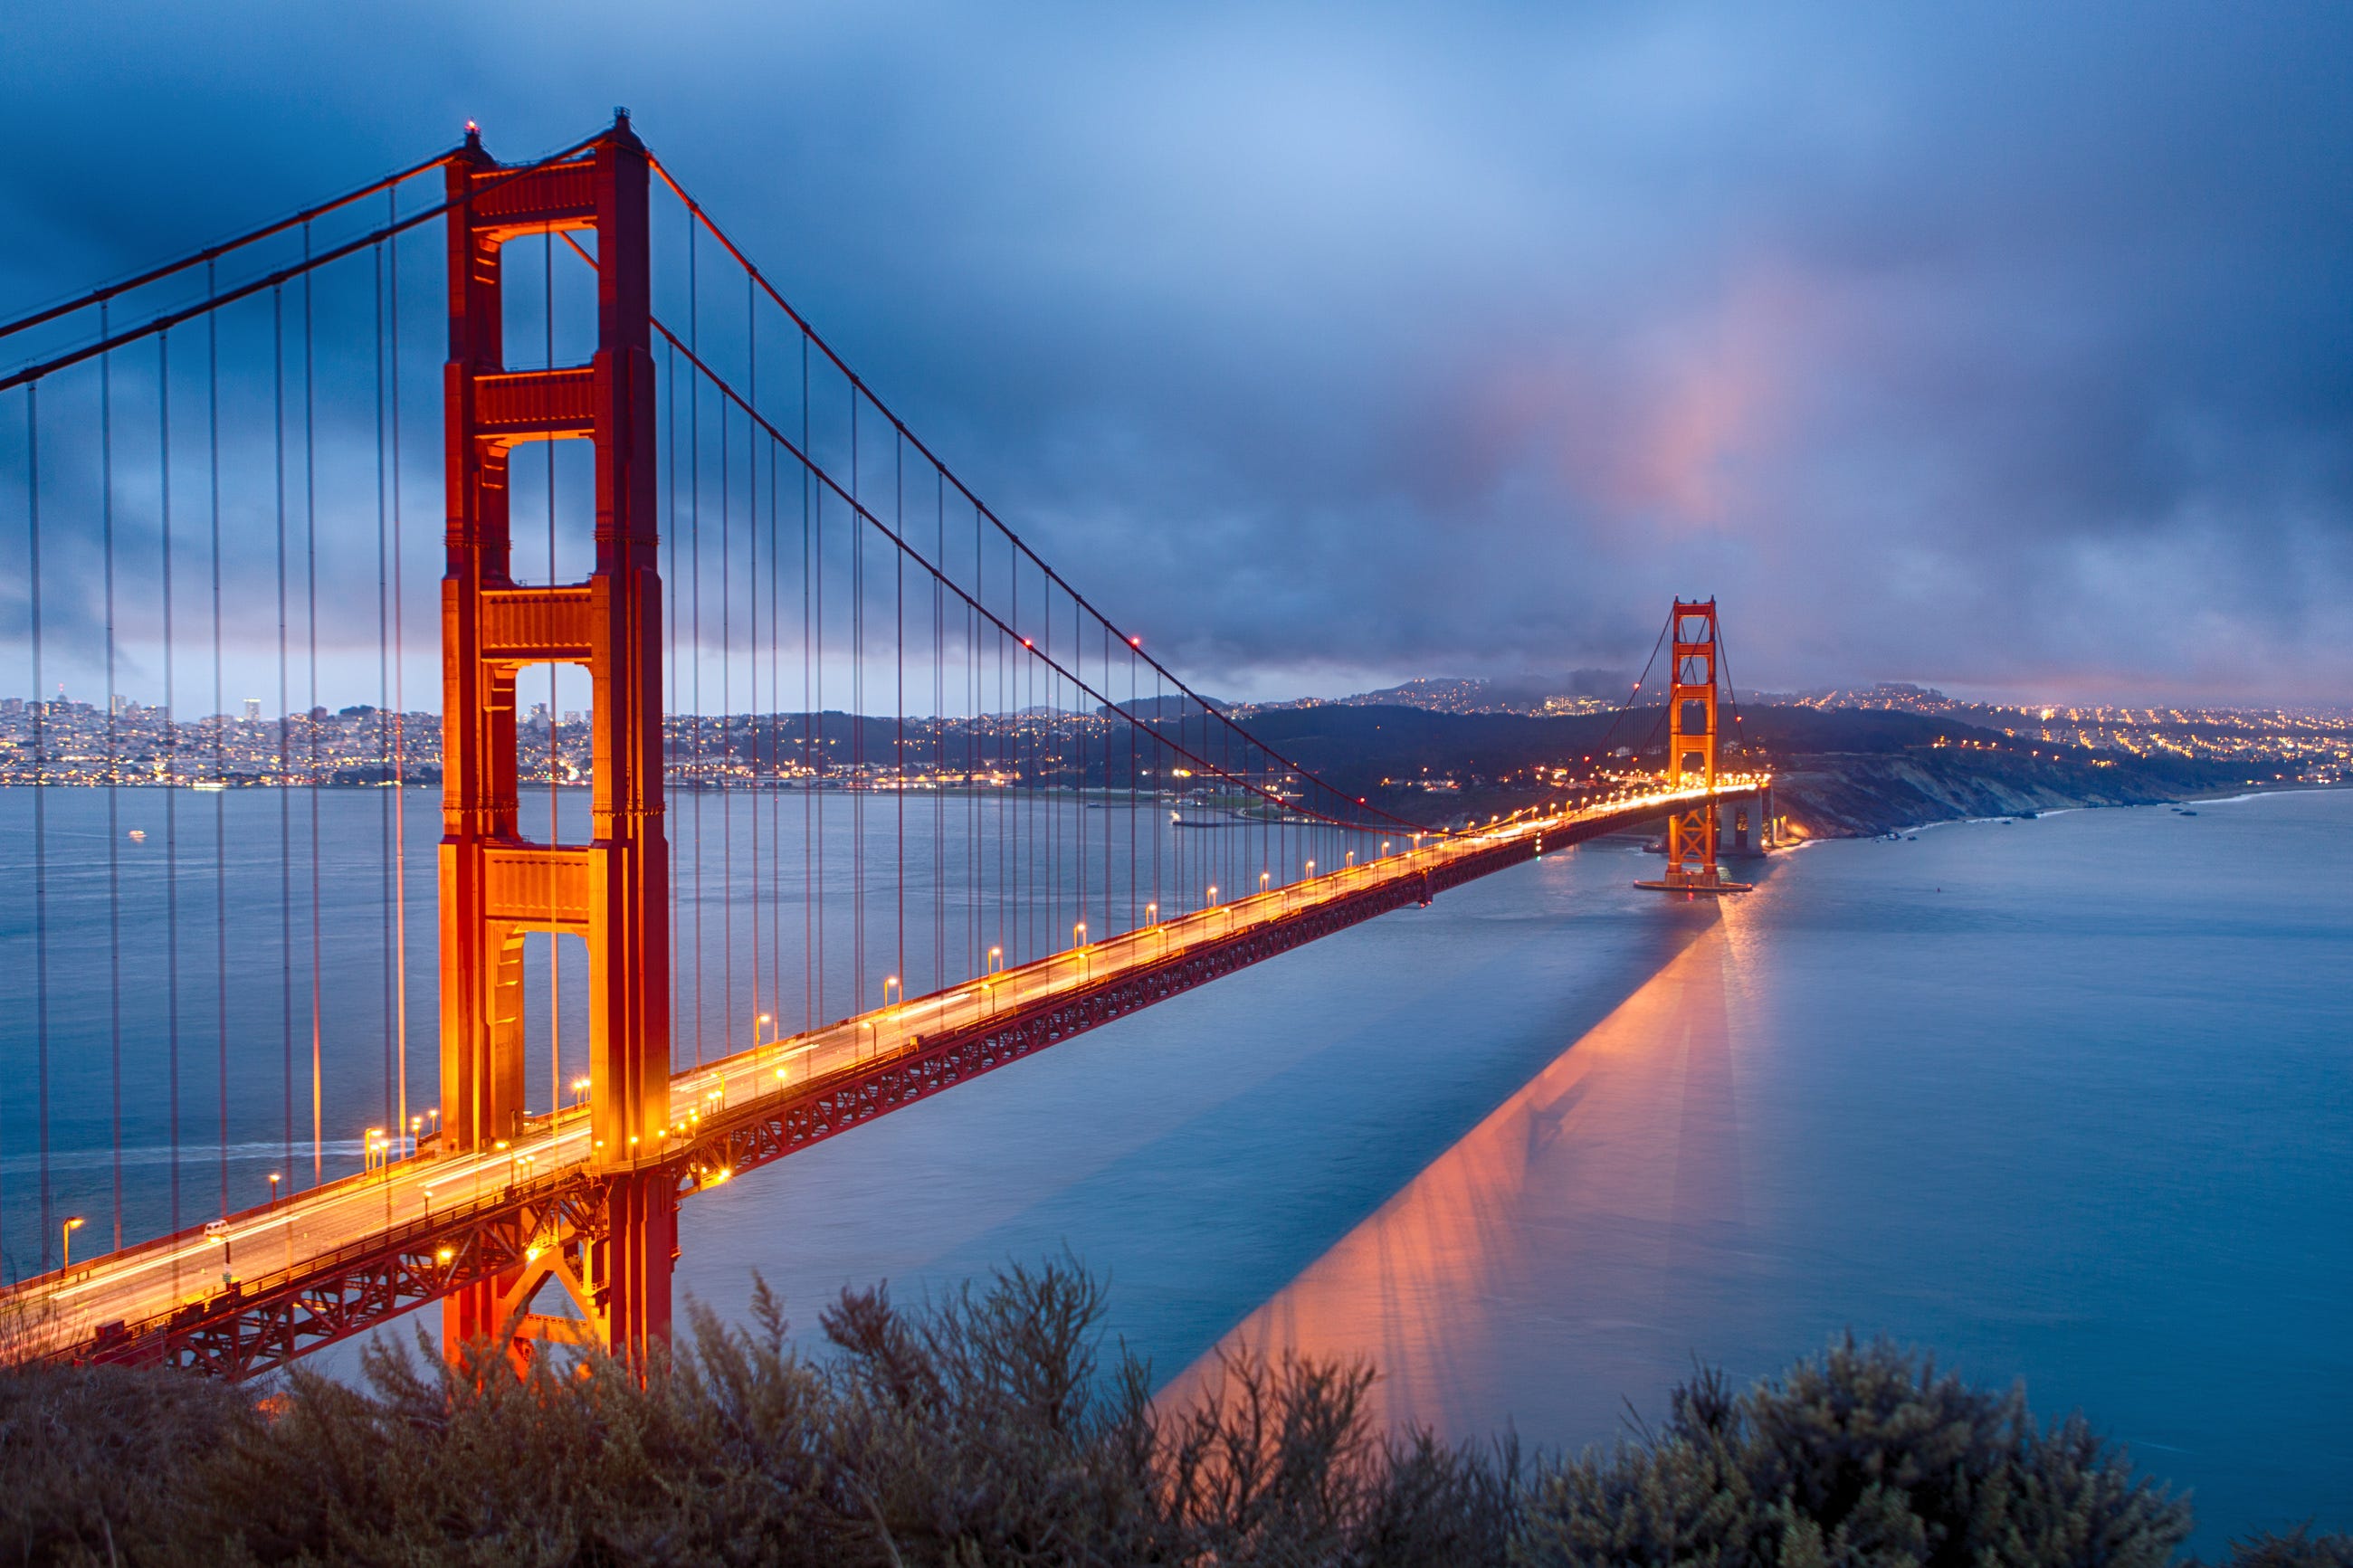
<point>1848,794</point>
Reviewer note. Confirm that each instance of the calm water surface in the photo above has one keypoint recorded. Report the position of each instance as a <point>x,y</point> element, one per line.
<point>2063,1099</point>
<point>2068,1099</point>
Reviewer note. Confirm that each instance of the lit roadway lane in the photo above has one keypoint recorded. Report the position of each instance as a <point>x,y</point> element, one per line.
<point>261,1247</point>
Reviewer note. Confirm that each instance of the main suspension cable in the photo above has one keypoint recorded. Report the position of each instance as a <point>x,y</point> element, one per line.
<point>1055,668</point>
<point>1053,578</point>
<point>211,253</point>
<point>215,298</point>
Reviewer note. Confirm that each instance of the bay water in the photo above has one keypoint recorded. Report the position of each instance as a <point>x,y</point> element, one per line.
<point>2067,1100</point>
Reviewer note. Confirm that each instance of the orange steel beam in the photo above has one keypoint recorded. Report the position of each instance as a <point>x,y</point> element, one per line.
<point>494,884</point>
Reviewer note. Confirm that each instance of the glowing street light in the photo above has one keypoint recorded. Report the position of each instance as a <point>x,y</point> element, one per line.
<point>888,982</point>
<point>1213,895</point>
<point>274,1179</point>
<point>65,1237</point>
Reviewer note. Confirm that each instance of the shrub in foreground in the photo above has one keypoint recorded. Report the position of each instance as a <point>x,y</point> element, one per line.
<point>983,1429</point>
<point>1864,1455</point>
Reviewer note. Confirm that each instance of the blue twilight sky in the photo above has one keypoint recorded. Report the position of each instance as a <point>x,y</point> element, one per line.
<point>2008,348</point>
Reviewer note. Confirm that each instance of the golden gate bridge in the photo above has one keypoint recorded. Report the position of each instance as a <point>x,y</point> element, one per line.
<point>787,919</point>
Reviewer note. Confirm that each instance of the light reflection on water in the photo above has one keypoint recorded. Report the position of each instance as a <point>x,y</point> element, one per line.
<point>1566,1214</point>
<point>2070,1101</point>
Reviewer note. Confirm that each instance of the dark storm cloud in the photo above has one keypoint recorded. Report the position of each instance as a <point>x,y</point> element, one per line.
<point>1999,347</point>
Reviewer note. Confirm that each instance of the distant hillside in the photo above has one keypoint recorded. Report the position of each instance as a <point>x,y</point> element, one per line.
<point>1842,771</point>
<point>1525,693</point>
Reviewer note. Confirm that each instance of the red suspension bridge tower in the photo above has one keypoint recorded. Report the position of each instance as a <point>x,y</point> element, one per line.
<point>495,886</point>
<point>1692,741</point>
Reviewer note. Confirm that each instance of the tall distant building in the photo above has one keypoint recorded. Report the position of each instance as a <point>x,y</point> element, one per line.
<point>252,708</point>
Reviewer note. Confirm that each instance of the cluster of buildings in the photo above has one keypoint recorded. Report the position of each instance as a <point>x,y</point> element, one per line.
<point>67,741</point>
<point>2302,745</point>
<point>64,740</point>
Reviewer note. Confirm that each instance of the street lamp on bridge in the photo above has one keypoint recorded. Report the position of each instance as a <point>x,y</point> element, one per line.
<point>65,1237</point>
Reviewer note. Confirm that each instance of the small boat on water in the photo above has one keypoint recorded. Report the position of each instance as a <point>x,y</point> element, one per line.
<point>138,836</point>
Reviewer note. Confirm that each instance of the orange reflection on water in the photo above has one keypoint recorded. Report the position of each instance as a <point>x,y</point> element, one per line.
<point>1525,1274</point>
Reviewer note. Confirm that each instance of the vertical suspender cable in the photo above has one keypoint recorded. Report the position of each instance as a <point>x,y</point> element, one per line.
<point>816,661</point>
<point>1139,796</point>
<point>399,1128</point>
<point>285,716</point>
<point>220,741</point>
<point>310,611</point>
<point>555,825</point>
<point>1109,721</point>
<point>1023,802</point>
<point>899,738</point>
<point>857,725</point>
<point>812,887</point>
<point>752,631</point>
<point>727,746</point>
<point>40,812</point>
<point>939,744</point>
<point>384,693</point>
<point>975,673</point>
<point>776,763</point>
<point>171,793</point>
<point>1159,771</point>
<point>670,715</point>
<point>694,601</point>
<point>113,778</point>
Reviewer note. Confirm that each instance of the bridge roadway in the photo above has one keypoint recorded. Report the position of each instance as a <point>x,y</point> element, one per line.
<point>278,1280</point>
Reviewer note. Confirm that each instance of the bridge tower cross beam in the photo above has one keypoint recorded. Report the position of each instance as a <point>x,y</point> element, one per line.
<point>495,885</point>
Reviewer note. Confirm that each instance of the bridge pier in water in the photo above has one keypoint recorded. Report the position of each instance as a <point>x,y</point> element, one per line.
<point>612,1254</point>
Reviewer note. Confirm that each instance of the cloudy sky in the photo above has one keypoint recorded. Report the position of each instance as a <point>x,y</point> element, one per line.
<point>2004,348</point>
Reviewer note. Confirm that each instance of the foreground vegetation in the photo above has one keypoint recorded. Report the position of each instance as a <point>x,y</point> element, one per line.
<point>983,1430</point>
